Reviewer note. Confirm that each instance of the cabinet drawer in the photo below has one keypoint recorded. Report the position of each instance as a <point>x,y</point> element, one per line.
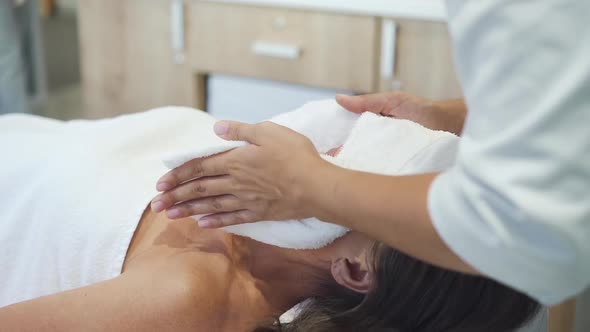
<point>325,50</point>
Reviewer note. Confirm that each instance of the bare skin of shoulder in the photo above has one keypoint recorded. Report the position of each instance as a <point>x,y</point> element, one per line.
<point>214,262</point>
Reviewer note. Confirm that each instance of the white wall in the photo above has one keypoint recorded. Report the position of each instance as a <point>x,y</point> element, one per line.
<point>251,100</point>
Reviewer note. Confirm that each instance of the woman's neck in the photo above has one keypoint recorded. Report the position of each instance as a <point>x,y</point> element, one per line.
<point>284,277</point>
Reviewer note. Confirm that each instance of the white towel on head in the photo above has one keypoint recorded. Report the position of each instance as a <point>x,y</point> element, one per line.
<point>370,143</point>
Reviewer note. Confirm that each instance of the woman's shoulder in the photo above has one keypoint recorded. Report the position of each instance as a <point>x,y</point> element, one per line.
<point>194,273</point>
<point>178,250</point>
<point>203,290</point>
<point>184,286</point>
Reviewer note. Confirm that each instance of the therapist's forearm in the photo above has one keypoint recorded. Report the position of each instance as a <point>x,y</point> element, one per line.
<point>390,209</point>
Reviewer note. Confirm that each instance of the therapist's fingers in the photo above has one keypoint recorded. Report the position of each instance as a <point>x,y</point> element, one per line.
<point>228,219</point>
<point>193,169</point>
<point>375,103</point>
<point>256,134</point>
<point>217,204</point>
<point>237,131</point>
<point>188,191</point>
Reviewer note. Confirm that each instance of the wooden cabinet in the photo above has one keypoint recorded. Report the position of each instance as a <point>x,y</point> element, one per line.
<point>562,317</point>
<point>424,61</point>
<point>129,64</point>
<point>127,60</point>
<point>318,49</point>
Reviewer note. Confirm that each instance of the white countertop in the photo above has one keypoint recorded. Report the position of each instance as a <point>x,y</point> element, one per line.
<point>431,10</point>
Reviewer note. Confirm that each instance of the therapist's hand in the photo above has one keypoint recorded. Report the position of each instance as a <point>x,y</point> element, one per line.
<point>448,115</point>
<point>260,181</point>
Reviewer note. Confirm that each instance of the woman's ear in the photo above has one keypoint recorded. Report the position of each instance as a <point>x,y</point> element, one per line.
<point>353,274</point>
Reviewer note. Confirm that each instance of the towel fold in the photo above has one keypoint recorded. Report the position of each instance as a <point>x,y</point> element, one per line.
<point>370,143</point>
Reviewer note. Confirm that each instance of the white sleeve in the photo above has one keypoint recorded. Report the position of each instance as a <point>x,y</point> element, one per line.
<point>516,206</point>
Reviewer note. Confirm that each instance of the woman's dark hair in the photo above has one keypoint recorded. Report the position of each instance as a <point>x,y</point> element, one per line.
<point>412,296</point>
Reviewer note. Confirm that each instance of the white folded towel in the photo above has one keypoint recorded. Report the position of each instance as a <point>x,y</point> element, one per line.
<point>371,143</point>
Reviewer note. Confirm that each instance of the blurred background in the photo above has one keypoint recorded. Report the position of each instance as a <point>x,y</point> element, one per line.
<point>59,34</point>
<point>39,59</point>
<point>244,60</point>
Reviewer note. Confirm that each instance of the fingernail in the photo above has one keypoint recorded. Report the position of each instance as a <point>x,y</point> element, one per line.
<point>221,127</point>
<point>174,213</point>
<point>158,206</point>
<point>163,186</point>
<point>205,223</point>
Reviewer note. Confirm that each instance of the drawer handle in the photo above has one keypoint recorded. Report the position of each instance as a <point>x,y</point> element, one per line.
<point>177,29</point>
<point>388,48</point>
<point>276,50</point>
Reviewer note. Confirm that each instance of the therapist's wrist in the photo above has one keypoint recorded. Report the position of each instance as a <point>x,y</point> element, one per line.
<point>333,192</point>
<point>314,182</point>
<point>448,115</point>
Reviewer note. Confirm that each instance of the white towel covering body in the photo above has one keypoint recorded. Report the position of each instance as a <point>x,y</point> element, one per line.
<point>74,192</point>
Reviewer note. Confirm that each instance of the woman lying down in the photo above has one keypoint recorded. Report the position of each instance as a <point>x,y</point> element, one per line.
<point>80,250</point>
